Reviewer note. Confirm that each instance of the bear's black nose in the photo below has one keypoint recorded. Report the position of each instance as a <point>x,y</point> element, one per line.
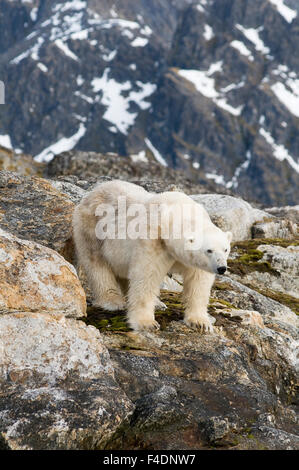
<point>221,270</point>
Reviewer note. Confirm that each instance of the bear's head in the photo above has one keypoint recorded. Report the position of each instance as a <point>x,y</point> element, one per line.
<point>200,245</point>
<point>214,250</point>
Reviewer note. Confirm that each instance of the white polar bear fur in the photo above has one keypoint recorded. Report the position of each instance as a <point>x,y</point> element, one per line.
<point>110,263</point>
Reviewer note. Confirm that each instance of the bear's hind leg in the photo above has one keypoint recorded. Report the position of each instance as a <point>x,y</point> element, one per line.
<point>196,293</point>
<point>100,277</point>
<point>106,290</point>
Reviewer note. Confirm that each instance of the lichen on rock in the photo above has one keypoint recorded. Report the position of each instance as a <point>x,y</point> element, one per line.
<point>268,265</point>
<point>57,385</point>
<point>36,278</point>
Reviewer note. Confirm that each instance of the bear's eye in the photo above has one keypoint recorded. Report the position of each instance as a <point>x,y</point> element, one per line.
<point>225,250</point>
<point>209,251</point>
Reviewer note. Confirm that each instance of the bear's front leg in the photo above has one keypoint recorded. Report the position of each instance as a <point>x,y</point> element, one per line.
<point>197,288</point>
<point>146,276</point>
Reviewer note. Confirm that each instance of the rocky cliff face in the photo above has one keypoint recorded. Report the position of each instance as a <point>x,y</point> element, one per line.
<point>231,70</point>
<point>208,86</point>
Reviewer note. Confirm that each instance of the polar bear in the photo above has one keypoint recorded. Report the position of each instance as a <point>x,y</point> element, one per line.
<point>179,238</point>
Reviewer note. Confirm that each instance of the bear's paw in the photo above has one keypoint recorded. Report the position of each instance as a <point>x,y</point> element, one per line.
<point>199,322</point>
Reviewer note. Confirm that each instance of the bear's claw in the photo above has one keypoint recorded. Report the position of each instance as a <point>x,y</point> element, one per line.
<point>160,305</point>
<point>203,325</point>
<point>148,326</point>
<point>152,327</point>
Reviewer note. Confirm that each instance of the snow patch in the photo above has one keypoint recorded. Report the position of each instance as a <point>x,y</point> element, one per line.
<point>200,8</point>
<point>253,36</point>
<point>5,141</point>
<point>208,33</point>
<point>33,52</point>
<point>33,14</point>
<point>62,45</point>
<point>139,157</point>
<point>217,178</point>
<point>146,31</point>
<point>80,80</point>
<point>110,56</point>
<point>233,183</point>
<point>139,42</point>
<point>111,22</point>
<point>288,95</point>
<point>88,99</point>
<point>63,145</point>
<point>288,14</point>
<point>117,104</point>
<point>232,86</point>
<point>42,67</point>
<point>70,25</point>
<point>76,5</point>
<point>279,151</point>
<point>80,35</point>
<point>200,5</point>
<point>201,80</point>
<point>206,86</point>
<point>156,153</point>
<point>240,46</point>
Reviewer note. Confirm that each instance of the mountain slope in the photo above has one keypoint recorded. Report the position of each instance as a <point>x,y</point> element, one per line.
<point>237,109</point>
<point>210,87</point>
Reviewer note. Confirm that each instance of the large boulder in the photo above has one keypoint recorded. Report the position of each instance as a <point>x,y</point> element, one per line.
<point>287,212</point>
<point>36,278</point>
<point>31,208</point>
<point>198,392</point>
<point>57,385</point>
<point>275,228</point>
<point>283,273</point>
<point>244,220</point>
<point>19,163</point>
<point>273,312</point>
<point>268,266</point>
<point>231,213</point>
<point>74,192</point>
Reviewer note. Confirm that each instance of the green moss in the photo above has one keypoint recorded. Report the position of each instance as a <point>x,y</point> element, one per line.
<point>221,286</point>
<point>221,301</point>
<point>174,310</point>
<point>247,263</point>
<point>254,243</point>
<point>251,256</point>
<point>282,298</point>
<point>248,258</point>
<point>106,321</point>
<point>130,347</point>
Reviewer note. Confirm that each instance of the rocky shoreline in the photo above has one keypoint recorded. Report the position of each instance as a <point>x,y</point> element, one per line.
<point>74,377</point>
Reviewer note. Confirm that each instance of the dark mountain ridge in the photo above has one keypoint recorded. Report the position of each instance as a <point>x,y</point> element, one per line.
<point>209,87</point>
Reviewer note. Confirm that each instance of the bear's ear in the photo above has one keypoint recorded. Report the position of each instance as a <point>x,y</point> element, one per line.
<point>229,236</point>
